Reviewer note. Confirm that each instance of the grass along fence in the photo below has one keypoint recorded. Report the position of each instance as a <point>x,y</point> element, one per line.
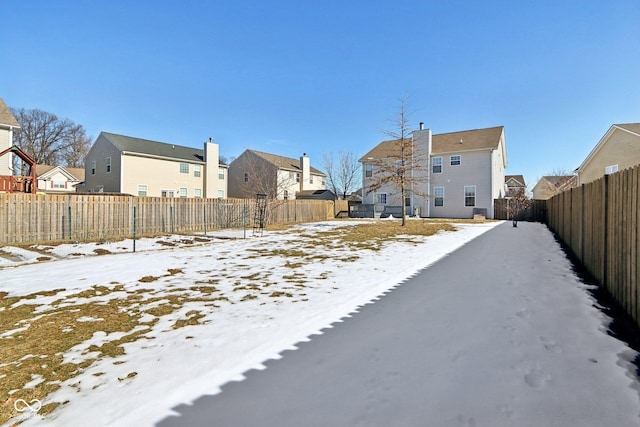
<point>29,218</point>
<point>599,223</point>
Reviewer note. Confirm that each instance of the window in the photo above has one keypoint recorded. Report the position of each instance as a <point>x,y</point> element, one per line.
<point>167,193</point>
<point>183,192</point>
<point>142,190</point>
<point>58,184</point>
<point>436,165</point>
<point>220,173</point>
<point>438,192</point>
<point>221,194</point>
<point>382,198</point>
<point>297,177</point>
<point>470,195</point>
<point>197,192</point>
<point>196,170</point>
<point>246,177</point>
<point>310,179</point>
<point>93,167</point>
<point>454,160</point>
<point>610,169</point>
<point>108,164</point>
<point>184,167</point>
<point>368,170</point>
<point>407,201</point>
<point>286,195</point>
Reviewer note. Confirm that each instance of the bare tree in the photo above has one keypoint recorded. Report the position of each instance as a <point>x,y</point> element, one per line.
<point>405,165</point>
<point>342,177</point>
<point>51,140</point>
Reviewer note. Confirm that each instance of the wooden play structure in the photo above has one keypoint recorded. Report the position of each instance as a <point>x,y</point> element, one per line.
<point>20,183</point>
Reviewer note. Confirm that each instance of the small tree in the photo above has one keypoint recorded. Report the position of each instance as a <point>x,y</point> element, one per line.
<point>403,165</point>
<point>343,176</point>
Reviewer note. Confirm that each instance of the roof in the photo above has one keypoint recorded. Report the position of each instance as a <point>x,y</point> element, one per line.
<point>560,181</point>
<point>628,127</point>
<point>155,148</point>
<point>518,178</point>
<point>77,173</point>
<point>631,127</point>
<point>282,162</point>
<point>316,194</point>
<point>476,139</point>
<point>6,116</point>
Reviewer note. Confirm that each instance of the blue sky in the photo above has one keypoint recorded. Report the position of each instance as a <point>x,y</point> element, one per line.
<point>288,77</point>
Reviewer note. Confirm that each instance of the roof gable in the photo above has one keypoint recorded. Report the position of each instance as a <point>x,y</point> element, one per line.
<point>47,171</point>
<point>514,180</point>
<point>154,148</point>
<point>633,128</point>
<point>6,116</point>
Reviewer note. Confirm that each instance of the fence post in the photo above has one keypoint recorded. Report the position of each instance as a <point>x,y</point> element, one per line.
<point>135,220</point>
<point>69,222</point>
<point>606,232</point>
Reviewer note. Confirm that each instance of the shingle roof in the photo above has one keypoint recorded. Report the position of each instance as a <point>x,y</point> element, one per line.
<point>76,172</point>
<point>6,117</point>
<point>282,162</point>
<point>633,127</point>
<point>476,139</point>
<point>154,148</point>
<point>561,181</point>
<point>517,178</point>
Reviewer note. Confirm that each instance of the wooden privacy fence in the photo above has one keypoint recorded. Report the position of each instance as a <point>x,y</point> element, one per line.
<point>599,223</point>
<point>535,211</point>
<point>30,218</point>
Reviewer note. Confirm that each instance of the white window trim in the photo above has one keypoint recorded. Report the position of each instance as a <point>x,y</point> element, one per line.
<point>435,197</point>
<point>475,196</point>
<point>368,170</point>
<point>433,165</point>
<point>451,160</point>
<point>181,167</point>
<point>378,198</point>
<point>146,190</point>
<point>611,169</point>
<point>108,164</point>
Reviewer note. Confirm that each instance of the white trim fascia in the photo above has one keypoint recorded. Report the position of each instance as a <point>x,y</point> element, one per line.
<point>152,156</point>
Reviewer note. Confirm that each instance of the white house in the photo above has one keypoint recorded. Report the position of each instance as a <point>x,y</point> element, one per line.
<point>459,175</point>
<point>8,125</point>
<point>58,179</point>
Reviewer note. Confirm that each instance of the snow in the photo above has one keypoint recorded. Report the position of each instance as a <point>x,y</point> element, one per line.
<point>175,366</point>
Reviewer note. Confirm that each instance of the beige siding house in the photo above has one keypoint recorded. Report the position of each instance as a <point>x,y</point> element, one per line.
<point>549,186</point>
<point>8,125</point>
<point>618,149</point>
<point>516,185</point>
<point>123,164</point>
<point>464,174</point>
<point>279,177</point>
<point>57,179</point>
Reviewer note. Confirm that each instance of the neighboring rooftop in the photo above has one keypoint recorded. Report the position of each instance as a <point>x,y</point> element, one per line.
<point>6,116</point>
<point>282,162</point>
<point>154,148</point>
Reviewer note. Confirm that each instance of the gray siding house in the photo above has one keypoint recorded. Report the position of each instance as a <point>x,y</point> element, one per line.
<point>462,173</point>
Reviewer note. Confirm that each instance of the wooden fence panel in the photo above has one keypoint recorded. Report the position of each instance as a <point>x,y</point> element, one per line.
<point>29,218</point>
<point>599,223</point>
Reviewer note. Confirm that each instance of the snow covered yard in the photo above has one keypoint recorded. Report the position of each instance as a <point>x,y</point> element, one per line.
<point>120,339</point>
